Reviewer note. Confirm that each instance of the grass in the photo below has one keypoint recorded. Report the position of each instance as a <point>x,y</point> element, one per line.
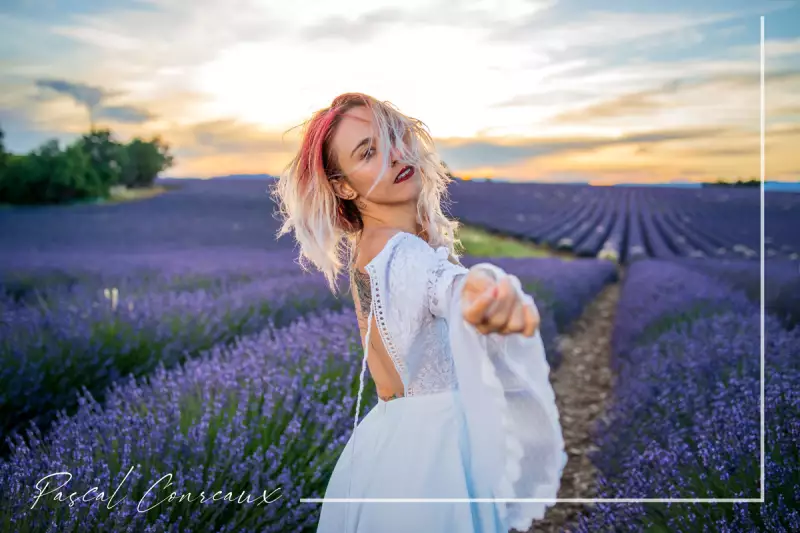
<point>481,243</point>
<point>124,194</point>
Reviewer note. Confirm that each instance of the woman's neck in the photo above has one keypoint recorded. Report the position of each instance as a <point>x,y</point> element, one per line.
<point>420,231</point>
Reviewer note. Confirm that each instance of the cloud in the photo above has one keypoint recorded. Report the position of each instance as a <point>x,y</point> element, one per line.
<point>93,99</point>
<point>229,136</point>
<point>639,102</point>
<point>574,31</point>
<point>444,13</point>
<point>727,153</point>
<point>83,94</point>
<point>773,48</point>
<point>743,80</point>
<point>360,29</point>
<point>466,154</point>
<point>165,32</point>
<point>781,132</point>
<point>601,28</point>
<point>679,95</point>
<point>545,98</point>
<point>127,114</point>
<point>227,146</point>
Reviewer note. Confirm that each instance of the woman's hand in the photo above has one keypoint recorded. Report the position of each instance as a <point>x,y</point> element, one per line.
<point>495,305</point>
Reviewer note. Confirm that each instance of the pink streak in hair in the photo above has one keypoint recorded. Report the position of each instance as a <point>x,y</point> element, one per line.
<point>311,150</point>
<point>311,156</point>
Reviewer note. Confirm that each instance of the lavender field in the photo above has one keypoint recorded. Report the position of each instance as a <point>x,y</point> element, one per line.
<point>175,335</point>
<point>628,223</point>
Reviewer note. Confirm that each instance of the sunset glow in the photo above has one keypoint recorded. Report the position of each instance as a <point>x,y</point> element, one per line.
<point>521,90</point>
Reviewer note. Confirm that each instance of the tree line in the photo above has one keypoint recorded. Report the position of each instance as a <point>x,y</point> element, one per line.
<point>83,170</point>
<point>752,182</point>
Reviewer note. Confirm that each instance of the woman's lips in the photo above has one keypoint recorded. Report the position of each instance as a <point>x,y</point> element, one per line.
<point>404,174</point>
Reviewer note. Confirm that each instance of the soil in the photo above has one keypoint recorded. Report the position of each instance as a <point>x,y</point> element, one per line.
<point>582,385</point>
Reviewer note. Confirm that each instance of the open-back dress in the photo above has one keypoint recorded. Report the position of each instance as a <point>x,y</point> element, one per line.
<point>477,420</point>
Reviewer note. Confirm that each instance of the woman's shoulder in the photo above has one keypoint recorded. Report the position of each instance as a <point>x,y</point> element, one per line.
<point>373,244</point>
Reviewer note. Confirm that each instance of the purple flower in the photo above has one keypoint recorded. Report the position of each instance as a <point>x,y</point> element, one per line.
<point>81,337</point>
<point>267,413</point>
<point>685,415</point>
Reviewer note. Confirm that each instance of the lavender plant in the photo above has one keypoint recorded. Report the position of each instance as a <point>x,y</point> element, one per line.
<point>89,339</point>
<point>685,416</point>
<point>264,418</point>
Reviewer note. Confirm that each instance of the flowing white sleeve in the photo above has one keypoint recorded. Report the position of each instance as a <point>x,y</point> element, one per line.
<point>513,424</point>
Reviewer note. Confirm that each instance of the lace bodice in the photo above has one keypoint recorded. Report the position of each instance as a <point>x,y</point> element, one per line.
<point>415,338</point>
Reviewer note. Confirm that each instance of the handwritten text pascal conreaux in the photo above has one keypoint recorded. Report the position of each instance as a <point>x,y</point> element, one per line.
<point>158,488</point>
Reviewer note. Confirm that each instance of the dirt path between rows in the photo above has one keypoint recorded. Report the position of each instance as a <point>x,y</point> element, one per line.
<point>582,385</point>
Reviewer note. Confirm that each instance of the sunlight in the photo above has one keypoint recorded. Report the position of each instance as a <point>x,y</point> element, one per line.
<point>278,86</point>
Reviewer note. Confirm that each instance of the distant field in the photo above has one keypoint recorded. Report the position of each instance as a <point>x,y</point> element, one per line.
<point>629,223</point>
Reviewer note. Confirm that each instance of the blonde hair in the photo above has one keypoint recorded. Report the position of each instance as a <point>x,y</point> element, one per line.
<point>326,226</point>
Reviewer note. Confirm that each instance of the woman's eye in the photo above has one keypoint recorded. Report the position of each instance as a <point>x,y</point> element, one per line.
<point>369,153</point>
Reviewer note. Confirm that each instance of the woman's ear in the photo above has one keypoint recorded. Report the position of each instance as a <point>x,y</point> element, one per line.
<point>343,190</point>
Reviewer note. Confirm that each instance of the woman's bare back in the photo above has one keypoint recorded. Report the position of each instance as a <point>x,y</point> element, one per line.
<point>387,381</point>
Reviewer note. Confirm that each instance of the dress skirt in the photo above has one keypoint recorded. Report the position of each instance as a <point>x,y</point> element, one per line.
<point>409,447</point>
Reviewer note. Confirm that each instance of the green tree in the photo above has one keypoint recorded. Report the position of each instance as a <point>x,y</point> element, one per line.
<point>57,176</point>
<point>106,156</point>
<point>4,163</point>
<point>12,186</point>
<point>84,170</point>
<point>49,175</point>
<point>3,155</point>
<point>143,161</point>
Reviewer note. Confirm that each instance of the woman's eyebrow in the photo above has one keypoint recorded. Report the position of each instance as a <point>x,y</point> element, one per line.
<point>360,144</point>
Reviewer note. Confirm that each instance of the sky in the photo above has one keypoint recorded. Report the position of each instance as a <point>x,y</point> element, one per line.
<point>530,90</point>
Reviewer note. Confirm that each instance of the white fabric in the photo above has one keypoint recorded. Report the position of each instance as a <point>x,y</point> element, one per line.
<point>514,447</point>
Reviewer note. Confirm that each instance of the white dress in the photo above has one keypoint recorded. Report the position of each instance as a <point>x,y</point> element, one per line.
<point>478,418</point>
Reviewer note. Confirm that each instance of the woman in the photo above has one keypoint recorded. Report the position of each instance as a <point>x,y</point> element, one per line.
<point>465,409</point>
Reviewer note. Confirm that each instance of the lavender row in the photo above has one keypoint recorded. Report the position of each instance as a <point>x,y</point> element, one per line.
<point>94,338</point>
<point>685,415</point>
<point>22,274</point>
<point>656,293</point>
<point>781,283</point>
<point>195,214</point>
<point>626,223</point>
<point>264,418</point>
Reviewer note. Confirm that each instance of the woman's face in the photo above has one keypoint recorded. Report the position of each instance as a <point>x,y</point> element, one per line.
<point>361,162</point>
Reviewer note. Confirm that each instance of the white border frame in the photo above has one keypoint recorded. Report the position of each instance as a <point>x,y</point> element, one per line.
<point>629,500</point>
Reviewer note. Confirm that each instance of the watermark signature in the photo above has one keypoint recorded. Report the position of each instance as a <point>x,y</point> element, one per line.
<point>158,488</point>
